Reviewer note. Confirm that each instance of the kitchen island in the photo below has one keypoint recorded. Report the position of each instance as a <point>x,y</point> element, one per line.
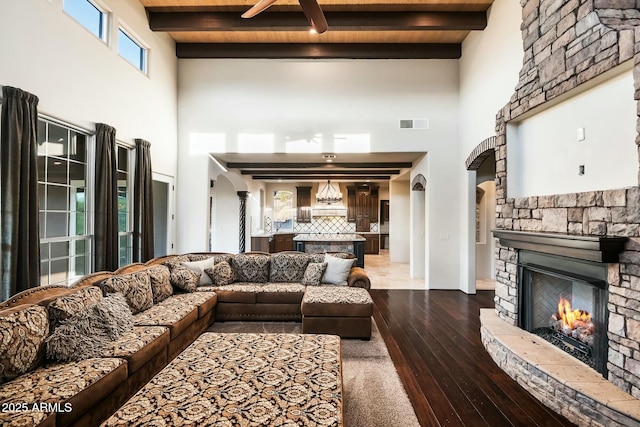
<point>331,242</point>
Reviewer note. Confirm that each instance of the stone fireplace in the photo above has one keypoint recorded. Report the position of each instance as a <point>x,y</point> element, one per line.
<point>568,45</point>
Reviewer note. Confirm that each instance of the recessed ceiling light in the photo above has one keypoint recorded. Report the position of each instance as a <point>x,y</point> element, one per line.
<point>313,31</point>
<point>329,157</point>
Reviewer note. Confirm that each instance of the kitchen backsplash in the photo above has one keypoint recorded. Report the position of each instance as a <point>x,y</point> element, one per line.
<point>322,225</point>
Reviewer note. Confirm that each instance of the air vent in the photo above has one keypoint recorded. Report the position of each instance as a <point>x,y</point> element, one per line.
<point>414,123</point>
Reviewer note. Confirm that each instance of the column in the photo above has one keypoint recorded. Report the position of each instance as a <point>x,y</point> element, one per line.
<point>242,195</point>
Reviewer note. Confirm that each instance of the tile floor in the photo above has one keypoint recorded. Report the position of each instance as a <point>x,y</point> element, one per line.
<point>385,274</point>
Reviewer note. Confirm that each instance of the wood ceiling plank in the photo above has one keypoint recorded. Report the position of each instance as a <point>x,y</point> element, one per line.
<point>338,21</point>
<point>328,37</point>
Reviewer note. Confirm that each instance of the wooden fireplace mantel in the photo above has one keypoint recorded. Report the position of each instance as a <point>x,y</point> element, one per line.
<point>590,248</point>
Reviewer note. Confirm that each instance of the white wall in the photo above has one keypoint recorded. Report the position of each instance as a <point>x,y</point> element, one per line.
<point>543,152</point>
<point>399,223</point>
<point>223,98</point>
<point>489,67</point>
<point>485,268</point>
<point>81,80</point>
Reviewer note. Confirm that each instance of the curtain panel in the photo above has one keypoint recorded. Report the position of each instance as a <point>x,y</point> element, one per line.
<point>19,192</point>
<point>106,200</point>
<point>143,203</point>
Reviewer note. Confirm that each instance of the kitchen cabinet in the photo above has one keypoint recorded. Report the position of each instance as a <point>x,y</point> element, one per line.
<point>362,206</point>
<point>372,244</point>
<point>303,203</point>
<point>351,203</point>
<point>260,243</point>
<point>282,242</point>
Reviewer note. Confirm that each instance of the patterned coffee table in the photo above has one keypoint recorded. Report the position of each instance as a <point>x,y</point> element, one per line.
<point>244,379</point>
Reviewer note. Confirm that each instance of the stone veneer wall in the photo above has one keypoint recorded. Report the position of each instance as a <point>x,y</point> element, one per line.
<point>568,43</point>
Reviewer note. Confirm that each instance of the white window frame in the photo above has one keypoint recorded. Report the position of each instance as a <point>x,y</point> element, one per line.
<point>138,41</point>
<point>106,20</point>
<point>88,235</point>
<point>130,177</point>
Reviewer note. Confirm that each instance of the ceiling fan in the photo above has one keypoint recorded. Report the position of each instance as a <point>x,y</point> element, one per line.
<point>311,10</point>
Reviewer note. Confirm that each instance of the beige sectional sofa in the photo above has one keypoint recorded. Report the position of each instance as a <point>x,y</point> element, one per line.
<point>168,313</point>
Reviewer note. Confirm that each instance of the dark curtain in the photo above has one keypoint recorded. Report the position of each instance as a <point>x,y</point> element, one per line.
<point>143,203</point>
<point>19,192</point>
<point>106,199</point>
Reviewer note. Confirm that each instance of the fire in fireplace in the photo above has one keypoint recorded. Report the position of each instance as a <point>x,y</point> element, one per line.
<point>564,302</point>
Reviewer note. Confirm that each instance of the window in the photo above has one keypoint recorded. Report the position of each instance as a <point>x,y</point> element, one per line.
<point>282,210</point>
<point>125,218</point>
<point>132,51</point>
<point>90,16</point>
<point>65,239</point>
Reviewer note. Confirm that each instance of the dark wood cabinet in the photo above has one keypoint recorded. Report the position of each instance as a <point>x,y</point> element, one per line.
<point>384,211</point>
<point>373,205</point>
<point>372,244</point>
<point>303,203</point>
<point>362,206</point>
<point>283,242</point>
<point>260,243</point>
<point>351,203</point>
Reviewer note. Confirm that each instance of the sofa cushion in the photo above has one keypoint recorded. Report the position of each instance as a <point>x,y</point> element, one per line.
<point>31,418</point>
<point>237,292</point>
<point>69,305</point>
<point>200,267</point>
<point>23,330</point>
<point>337,301</point>
<point>205,301</point>
<point>139,345</point>
<point>86,334</point>
<point>313,273</point>
<point>337,270</point>
<point>279,293</point>
<point>251,267</point>
<point>221,274</point>
<point>160,282</point>
<point>80,384</point>
<point>136,288</point>
<point>176,316</point>
<point>287,267</point>
<point>184,278</point>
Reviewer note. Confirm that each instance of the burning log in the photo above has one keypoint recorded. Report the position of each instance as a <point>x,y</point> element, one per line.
<point>574,323</point>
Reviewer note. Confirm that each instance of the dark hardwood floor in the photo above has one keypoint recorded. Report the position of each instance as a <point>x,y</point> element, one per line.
<point>433,338</point>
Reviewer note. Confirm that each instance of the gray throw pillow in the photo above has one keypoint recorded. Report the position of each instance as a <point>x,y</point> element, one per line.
<point>337,270</point>
<point>313,273</point>
<point>86,334</point>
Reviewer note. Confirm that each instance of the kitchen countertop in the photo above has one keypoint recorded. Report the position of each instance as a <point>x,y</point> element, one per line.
<point>328,237</point>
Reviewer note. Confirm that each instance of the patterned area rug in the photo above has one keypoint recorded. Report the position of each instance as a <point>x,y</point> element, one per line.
<point>373,392</point>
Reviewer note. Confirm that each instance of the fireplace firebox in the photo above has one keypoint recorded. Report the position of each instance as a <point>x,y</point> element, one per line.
<point>564,301</point>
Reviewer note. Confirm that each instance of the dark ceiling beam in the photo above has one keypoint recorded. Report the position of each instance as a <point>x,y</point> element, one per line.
<point>338,21</point>
<point>323,166</point>
<point>284,173</point>
<point>319,50</point>
<point>321,177</point>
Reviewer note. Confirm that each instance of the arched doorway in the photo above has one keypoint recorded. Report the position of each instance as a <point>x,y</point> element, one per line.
<point>418,265</point>
<point>482,162</point>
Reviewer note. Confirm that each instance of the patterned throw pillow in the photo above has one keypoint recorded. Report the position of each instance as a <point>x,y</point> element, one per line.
<point>86,334</point>
<point>221,274</point>
<point>176,261</point>
<point>136,288</point>
<point>287,268</point>
<point>200,267</point>
<point>313,273</point>
<point>251,268</point>
<point>23,330</point>
<point>185,279</point>
<point>66,306</point>
<point>319,257</point>
<point>160,282</point>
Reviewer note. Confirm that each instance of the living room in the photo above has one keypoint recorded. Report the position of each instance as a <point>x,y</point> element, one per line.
<point>186,108</point>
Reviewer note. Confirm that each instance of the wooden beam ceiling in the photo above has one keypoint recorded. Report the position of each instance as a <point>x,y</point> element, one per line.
<point>358,29</point>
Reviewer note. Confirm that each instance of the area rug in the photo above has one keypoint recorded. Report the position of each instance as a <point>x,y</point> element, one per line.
<point>373,392</point>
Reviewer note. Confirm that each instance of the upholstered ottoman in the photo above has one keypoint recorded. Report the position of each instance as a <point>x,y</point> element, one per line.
<point>241,380</point>
<point>338,310</point>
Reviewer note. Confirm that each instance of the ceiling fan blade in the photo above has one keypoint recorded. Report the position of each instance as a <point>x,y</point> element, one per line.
<point>314,14</point>
<point>257,8</point>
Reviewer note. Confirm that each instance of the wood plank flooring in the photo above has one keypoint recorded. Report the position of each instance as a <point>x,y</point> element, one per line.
<point>433,338</point>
